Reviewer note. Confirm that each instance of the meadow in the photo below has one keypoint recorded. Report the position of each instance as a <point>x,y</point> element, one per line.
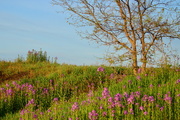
<point>51,91</point>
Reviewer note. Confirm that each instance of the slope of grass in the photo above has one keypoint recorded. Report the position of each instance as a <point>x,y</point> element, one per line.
<point>52,91</point>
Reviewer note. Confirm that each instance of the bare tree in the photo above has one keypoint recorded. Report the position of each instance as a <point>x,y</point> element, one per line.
<point>135,26</point>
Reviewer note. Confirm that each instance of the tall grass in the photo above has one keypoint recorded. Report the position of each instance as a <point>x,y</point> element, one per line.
<point>62,92</point>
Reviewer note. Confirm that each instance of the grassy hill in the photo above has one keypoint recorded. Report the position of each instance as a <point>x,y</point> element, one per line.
<point>44,91</point>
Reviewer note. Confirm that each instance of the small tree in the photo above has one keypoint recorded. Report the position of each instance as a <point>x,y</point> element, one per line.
<point>138,27</point>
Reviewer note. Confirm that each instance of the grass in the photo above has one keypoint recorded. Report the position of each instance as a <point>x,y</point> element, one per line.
<point>44,91</point>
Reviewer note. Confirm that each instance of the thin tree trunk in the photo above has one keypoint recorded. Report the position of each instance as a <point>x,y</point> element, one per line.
<point>134,59</point>
<point>144,63</point>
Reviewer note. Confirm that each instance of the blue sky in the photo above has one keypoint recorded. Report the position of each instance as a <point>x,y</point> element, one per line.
<point>35,24</point>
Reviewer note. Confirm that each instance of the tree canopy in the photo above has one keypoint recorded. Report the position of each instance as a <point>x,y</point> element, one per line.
<point>138,27</point>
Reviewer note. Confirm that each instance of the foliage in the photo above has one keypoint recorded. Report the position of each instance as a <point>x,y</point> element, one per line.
<point>135,29</point>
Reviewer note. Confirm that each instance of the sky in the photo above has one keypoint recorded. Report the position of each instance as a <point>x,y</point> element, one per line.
<point>36,24</point>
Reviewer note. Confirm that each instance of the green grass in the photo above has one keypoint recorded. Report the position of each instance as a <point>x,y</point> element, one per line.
<point>47,90</point>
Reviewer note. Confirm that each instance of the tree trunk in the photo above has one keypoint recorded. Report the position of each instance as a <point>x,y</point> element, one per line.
<point>134,60</point>
<point>144,61</point>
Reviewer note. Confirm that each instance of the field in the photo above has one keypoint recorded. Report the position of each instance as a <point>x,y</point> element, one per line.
<point>51,91</point>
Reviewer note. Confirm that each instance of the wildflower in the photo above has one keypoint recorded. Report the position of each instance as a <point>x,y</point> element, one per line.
<point>101,107</point>
<point>9,92</point>
<point>45,91</point>
<point>126,94</point>
<point>90,94</point>
<point>131,99</point>
<point>145,97</point>
<point>23,112</point>
<point>139,70</point>
<point>7,85</point>
<point>110,99</point>
<point>35,116</point>
<point>137,94</point>
<point>93,115</point>
<point>49,110</point>
<point>150,85</point>
<point>41,113</point>
<point>145,113</point>
<point>105,93</point>
<point>125,112</point>
<point>137,104</point>
<point>129,81</point>
<point>161,108</point>
<point>178,81</point>
<point>117,97</point>
<point>100,69</point>
<point>31,102</point>
<point>138,77</point>
<point>141,108</point>
<point>151,98</point>
<point>167,98</point>
<point>146,75</point>
<point>104,114</point>
<point>112,76</point>
<point>70,118</point>
<point>75,106</point>
<point>55,99</point>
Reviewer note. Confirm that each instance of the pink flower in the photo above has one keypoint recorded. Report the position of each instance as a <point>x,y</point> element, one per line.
<point>75,106</point>
<point>141,108</point>
<point>100,69</point>
<point>145,113</point>
<point>105,93</point>
<point>55,99</point>
<point>93,115</point>
<point>138,77</point>
<point>125,112</point>
<point>161,108</point>
<point>178,81</point>
<point>104,114</point>
<point>139,70</point>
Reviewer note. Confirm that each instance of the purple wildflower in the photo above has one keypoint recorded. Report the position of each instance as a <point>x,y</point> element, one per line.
<point>178,81</point>
<point>101,107</point>
<point>145,97</point>
<point>126,95</point>
<point>138,77</point>
<point>139,70</point>
<point>35,116</point>
<point>150,85</point>
<point>137,94</point>
<point>93,115</point>
<point>145,113</point>
<point>167,98</point>
<point>125,112</point>
<point>151,99</point>
<point>105,93</point>
<point>112,76</point>
<point>55,99</point>
<point>104,114</point>
<point>131,99</point>
<point>117,97</point>
<point>131,111</point>
<point>100,69</point>
<point>31,102</point>
<point>75,106</point>
<point>9,91</point>
<point>162,108</point>
<point>141,108</point>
